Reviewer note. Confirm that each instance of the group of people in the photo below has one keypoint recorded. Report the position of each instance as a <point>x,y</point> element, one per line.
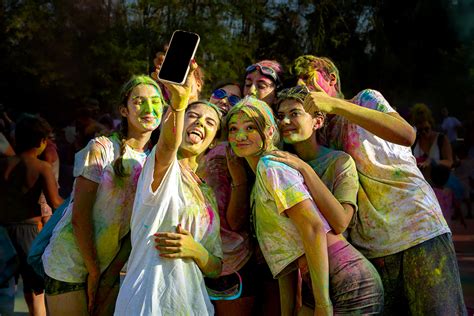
<point>444,161</point>
<point>263,199</point>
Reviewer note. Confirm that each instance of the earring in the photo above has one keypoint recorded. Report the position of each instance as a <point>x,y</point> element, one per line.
<point>212,145</point>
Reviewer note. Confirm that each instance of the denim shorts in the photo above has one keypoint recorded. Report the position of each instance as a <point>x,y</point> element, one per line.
<point>422,280</point>
<point>355,287</point>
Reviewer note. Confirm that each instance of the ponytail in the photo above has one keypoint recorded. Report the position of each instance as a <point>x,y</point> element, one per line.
<point>119,169</point>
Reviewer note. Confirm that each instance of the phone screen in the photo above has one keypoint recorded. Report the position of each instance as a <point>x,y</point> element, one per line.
<point>181,50</point>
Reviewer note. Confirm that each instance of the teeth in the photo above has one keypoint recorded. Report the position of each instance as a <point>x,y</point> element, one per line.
<point>196,133</point>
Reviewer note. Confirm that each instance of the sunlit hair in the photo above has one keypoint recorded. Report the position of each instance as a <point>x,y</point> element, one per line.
<point>420,113</point>
<point>262,116</point>
<point>30,130</point>
<point>306,66</point>
<point>123,131</point>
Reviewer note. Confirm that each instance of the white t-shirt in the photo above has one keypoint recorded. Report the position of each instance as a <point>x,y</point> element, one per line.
<point>449,126</point>
<point>160,286</point>
<point>111,212</point>
<point>397,207</point>
<point>278,188</point>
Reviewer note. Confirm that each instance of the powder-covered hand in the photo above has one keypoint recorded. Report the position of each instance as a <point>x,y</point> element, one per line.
<point>236,166</point>
<point>320,101</point>
<point>177,245</point>
<point>289,159</point>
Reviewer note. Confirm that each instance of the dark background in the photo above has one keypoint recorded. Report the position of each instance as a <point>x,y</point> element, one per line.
<point>56,56</point>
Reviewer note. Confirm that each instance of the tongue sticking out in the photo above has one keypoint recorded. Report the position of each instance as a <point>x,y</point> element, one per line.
<point>194,138</point>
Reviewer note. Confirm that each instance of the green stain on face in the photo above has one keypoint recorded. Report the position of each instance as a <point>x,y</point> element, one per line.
<point>293,138</point>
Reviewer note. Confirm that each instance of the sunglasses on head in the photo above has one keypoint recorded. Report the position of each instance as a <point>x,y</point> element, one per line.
<point>221,94</point>
<point>264,70</point>
<point>298,93</point>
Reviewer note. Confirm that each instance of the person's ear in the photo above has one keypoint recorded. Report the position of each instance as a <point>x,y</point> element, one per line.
<point>318,122</point>
<point>271,131</point>
<point>332,79</point>
<point>213,144</point>
<point>123,111</point>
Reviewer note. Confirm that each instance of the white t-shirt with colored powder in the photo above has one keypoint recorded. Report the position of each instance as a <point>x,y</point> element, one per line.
<point>161,286</point>
<point>397,207</point>
<point>111,211</point>
<point>278,188</point>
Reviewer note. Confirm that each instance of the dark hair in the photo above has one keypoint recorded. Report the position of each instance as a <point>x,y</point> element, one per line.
<point>30,130</point>
<point>123,131</point>
<point>440,175</point>
<point>220,115</point>
<point>226,82</point>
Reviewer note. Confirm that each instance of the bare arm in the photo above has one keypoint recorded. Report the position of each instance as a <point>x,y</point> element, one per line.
<point>311,229</point>
<point>237,214</point>
<point>389,126</point>
<point>9,151</point>
<point>172,130</point>
<point>446,153</point>
<point>50,186</point>
<point>338,216</point>
<point>83,227</point>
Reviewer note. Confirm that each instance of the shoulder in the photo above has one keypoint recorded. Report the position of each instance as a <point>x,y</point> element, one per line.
<point>274,174</point>
<point>372,99</point>
<point>333,157</point>
<point>102,144</point>
<point>266,165</point>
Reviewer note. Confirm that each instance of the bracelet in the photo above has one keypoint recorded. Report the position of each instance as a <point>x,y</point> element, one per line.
<point>177,110</point>
<point>233,185</point>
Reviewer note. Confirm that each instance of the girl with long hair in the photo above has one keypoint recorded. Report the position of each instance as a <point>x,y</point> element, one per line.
<point>176,212</point>
<point>90,243</point>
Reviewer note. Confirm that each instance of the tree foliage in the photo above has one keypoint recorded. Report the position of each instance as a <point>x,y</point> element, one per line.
<point>54,54</point>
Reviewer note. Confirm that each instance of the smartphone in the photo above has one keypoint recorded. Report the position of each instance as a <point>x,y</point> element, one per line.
<point>181,50</point>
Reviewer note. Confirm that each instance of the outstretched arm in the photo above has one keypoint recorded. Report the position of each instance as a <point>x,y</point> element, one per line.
<point>389,126</point>
<point>172,129</point>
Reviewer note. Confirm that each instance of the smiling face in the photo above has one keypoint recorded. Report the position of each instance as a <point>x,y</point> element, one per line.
<point>144,108</point>
<point>243,136</point>
<point>294,122</point>
<point>201,125</point>
<point>260,86</point>
<point>224,104</point>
